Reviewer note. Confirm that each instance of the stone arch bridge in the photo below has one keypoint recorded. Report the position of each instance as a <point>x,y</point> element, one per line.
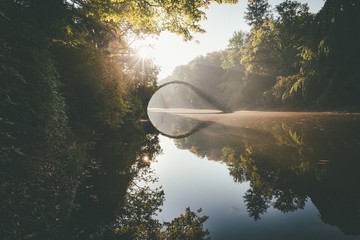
<point>202,94</point>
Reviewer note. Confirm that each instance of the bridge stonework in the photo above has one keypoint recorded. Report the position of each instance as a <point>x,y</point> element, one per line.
<point>202,94</point>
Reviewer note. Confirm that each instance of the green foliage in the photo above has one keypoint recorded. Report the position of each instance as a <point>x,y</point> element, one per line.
<point>180,17</point>
<point>233,54</point>
<point>206,74</point>
<point>93,84</point>
<point>294,59</point>
<point>257,13</point>
<point>137,217</point>
<point>188,226</point>
<point>260,58</point>
<point>286,87</point>
<point>31,103</point>
<point>136,220</point>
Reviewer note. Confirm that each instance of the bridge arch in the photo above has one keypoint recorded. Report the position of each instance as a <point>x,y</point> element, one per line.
<point>200,93</point>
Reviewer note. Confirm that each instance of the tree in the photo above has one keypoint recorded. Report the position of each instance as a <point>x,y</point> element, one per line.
<point>233,52</point>
<point>188,226</point>
<point>260,58</point>
<point>332,77</point>
<point>257,13</point>
<point>140,16</point>
<point>292,28</point>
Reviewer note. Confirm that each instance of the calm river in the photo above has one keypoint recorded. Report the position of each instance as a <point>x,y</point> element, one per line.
<point>261,175</point>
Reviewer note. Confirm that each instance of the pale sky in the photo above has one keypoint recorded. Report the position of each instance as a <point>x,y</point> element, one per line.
<point>222,21</point>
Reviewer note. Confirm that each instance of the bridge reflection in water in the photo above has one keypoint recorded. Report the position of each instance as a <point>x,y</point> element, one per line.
<point>168,104</point>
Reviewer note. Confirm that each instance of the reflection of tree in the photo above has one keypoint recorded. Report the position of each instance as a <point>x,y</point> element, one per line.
<point>287,161</point>
<point>288,201</point>
<point>110,204</point>
<point>271,179</point>
<point>136,218</point>
<point>117,157</point>
<point>304,161</point>
<point>236,170</point>
<point>256,203</point>
<point>188,226</point>
<point>208,142</point>
<point>185,127</point>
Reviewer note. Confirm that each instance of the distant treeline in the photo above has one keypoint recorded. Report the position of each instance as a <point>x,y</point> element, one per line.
<point>291,59</point>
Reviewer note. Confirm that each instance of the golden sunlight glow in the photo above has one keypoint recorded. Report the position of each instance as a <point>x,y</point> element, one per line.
<point>168,50</point>
<point>146,159</point>
<point>146,52</point>
<point>146,48</point>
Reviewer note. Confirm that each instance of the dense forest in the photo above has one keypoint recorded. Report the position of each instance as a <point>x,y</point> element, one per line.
<point>291,59</point>
<point>72,92</point>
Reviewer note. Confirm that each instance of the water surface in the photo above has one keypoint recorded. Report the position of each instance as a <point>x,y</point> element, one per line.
<point>262,175</point>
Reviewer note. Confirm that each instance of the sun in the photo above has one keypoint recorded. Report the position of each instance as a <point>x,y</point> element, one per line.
<point>146,159</point>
